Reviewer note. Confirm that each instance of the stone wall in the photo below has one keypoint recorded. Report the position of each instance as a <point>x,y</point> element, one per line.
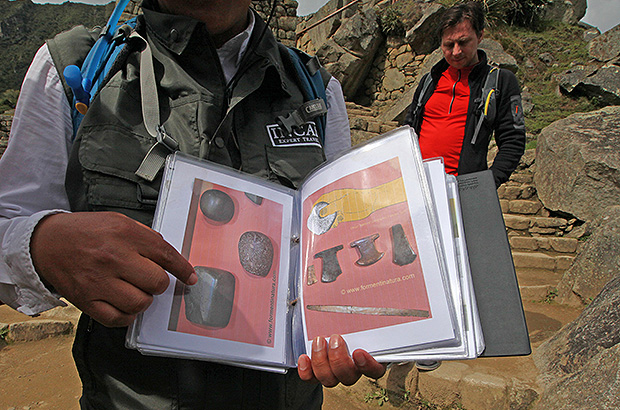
<point>394,70</point>
<point>283,23</point>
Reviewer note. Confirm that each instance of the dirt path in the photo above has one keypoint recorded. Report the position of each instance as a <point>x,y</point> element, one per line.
<point>38,375</point>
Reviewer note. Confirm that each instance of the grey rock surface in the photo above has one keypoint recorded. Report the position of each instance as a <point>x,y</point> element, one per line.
<point>597,262</point>
<point>606,47</point>
<point>578,163</point>
<point>580,365</point>
<point>566,11</point>
<point>422,36</point>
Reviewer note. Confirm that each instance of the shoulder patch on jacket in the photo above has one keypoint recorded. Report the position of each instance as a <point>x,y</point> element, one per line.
<point>516,109</point>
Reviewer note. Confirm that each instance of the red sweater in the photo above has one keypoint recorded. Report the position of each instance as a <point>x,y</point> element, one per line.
<point>443,125</point>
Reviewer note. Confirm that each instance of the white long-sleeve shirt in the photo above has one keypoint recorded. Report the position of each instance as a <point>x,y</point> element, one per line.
<point>33,168</point>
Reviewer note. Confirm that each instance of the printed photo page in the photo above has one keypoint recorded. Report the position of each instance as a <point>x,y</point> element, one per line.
<point>371,268</point>
<point>236,234</point>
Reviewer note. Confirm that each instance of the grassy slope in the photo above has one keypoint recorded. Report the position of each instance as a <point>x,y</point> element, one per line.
<point>566,45</point>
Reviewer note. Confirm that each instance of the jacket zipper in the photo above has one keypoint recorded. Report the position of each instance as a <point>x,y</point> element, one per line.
<point>454,92</point>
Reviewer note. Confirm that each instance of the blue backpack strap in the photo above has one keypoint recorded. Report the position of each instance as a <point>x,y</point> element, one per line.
<point>313,81</point>
<point>88,79</point>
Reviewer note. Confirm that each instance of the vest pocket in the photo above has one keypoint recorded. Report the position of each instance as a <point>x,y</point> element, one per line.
<point>110,155</point>
<point>290,165</point>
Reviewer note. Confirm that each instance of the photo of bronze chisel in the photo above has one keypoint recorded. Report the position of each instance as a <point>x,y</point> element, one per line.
<point>364,310</point>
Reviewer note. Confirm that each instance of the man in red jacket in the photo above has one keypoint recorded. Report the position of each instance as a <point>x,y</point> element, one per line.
<point>446,108</point>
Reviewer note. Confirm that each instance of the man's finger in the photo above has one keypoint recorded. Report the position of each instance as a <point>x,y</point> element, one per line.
<point>341,363</point>
<point>320,363</point>
<point>166,256</point>
<point>367,364</point>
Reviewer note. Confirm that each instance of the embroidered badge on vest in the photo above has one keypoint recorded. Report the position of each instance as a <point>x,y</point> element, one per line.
<point>306,134</point>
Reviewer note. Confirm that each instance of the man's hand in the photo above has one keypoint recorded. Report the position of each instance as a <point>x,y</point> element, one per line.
<point>106,264</point>
<point>331,363</point>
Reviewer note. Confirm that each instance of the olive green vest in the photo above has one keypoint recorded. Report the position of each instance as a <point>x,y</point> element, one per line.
<point>233,126</point>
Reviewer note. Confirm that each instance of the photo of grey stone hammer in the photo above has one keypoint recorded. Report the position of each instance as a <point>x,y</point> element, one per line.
<point>210,301</point>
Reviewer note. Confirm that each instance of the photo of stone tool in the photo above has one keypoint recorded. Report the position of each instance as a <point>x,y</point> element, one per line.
<point>217,205</point>
<point>210,301</point>
<point>364,310</point>
<point>402,254</point>
<point>348,204</point>
<point>331,268</point>
<point>255,253</point>
<point>258,200</point>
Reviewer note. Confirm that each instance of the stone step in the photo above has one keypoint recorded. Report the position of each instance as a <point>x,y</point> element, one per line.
<point>541,243</point>
<point>540,260</point>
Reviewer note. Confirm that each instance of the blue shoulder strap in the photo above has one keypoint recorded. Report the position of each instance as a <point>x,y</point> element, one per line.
<point>86,81</point>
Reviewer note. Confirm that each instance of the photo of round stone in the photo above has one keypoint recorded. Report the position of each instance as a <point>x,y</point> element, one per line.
<point>217,205</point>
<point>255,253</point>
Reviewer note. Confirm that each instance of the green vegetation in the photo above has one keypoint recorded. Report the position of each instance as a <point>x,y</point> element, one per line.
<point>551,295</point>
<point>391,22</point>
<point>379,397</point>
<point>564,44</point>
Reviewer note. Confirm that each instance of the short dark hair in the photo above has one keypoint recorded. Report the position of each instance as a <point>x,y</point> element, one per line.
<point>471,10</point>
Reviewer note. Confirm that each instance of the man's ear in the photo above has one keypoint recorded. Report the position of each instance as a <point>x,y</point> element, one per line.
<point>481,35</point>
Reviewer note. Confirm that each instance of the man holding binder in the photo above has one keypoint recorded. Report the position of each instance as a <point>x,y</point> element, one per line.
<point>463,101</point>
<point>208,55</point>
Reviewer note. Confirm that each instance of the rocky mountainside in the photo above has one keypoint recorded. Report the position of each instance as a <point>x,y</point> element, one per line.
<point>24,27</point>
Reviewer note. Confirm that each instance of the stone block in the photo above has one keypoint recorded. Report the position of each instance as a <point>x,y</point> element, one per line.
<point>564,245</point>
<point>516,222</point>
<point>525,207</point>
<point>522,178</point>
<point>527,192</point>
<point>442,386</point>
<point>37,329</point>
<point>563,262</point>
<point>512,192</point>
<point>484,391</point>
<point>543,222</point>
<point>358,124</point>
<point>526,243</point>
<point>374,127</point>
<point>543,231</point>
<point>504,205</point>
<point>533,260</point>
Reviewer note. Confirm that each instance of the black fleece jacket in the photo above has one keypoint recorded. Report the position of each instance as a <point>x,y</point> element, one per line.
<point>508,125</point>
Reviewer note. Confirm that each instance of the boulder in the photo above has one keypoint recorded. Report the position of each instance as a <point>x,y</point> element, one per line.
<point>603,85</point>
<point>421,36</point>
<point>606,47</point>
<point>498,56</point>
<point>596,264</point>
<point>566,11</point>
<point>580,365</point>
<point>346,44</point>
<point>599,84</point>
<point>578,163</point>
<point>572,79</point>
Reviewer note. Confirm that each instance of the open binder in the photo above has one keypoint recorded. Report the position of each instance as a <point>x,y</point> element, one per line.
<point>372,246</point>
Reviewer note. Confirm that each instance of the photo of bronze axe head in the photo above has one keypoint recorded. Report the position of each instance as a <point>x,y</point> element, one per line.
<point>348,204</point>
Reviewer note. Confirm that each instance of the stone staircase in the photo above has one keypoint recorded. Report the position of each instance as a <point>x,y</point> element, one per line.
<point>543,247</point>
